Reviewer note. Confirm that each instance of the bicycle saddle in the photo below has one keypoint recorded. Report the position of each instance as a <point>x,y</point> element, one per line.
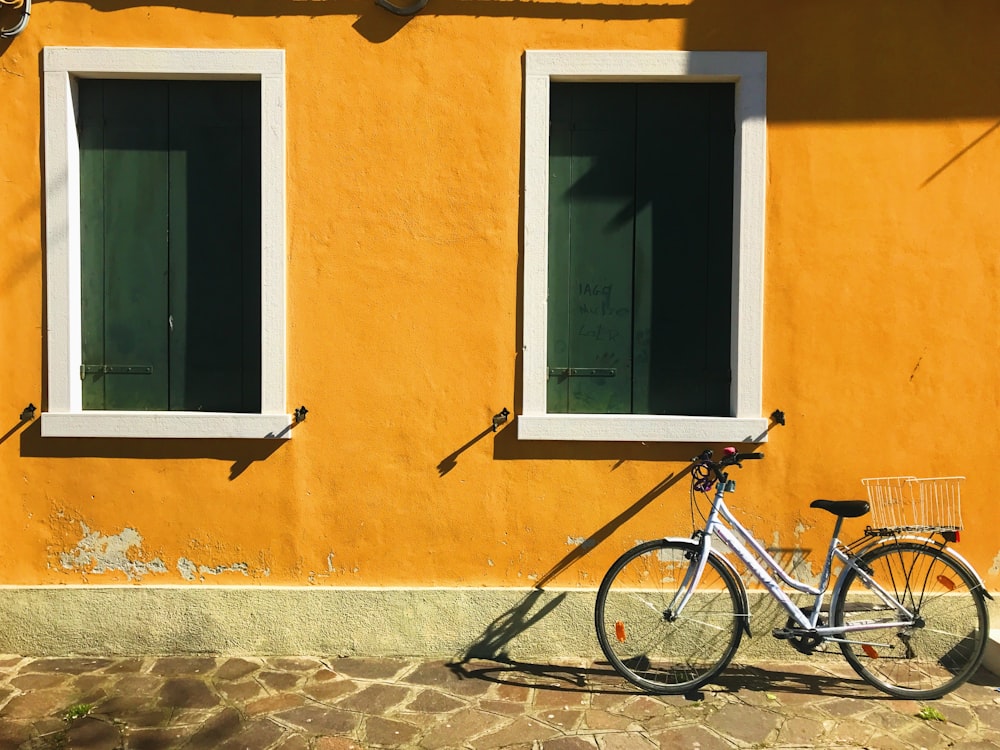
<point>842,508</point>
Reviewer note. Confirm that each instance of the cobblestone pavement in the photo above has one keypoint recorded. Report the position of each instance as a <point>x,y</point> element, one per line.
<point>308,703</point>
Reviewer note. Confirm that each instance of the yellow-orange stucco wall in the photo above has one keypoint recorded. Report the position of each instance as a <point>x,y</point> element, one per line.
<point>404,196</point>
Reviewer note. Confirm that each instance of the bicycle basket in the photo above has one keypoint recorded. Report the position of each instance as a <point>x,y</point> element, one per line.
<point>915,504</point>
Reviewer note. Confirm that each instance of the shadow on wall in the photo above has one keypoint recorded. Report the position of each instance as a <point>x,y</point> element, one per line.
<point>538,604</point>
<point>27,415</point>
<point>241,453</point>
<point>450,461</point>
<point>493,643</point>
<point>599,536</point>
<point>827,60</point>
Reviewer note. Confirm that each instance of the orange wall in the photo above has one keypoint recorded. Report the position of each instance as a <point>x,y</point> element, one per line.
<point>404,215</point>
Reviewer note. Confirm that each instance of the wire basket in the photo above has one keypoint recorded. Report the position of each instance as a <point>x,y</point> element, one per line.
<point>914,504</point>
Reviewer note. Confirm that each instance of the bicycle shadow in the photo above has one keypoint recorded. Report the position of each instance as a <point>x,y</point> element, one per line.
<point>559,678</point>
<point>489,659</point>
<point>599,677</point>
<point>795,678</point>
<point>610,527</point>
<point>495,640</point>
<point>985,678</point>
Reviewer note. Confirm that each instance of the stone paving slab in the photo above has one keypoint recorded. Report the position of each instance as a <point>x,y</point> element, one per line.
<point>310,703</point>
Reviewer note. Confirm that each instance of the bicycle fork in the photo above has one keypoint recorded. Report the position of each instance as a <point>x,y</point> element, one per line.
<point>692,576</point>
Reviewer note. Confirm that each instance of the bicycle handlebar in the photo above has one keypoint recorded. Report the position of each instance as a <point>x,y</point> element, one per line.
<point>704,479</point>
<point>730,458</point>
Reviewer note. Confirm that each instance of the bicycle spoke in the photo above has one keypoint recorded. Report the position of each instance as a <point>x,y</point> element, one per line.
<point>942,645</point>
<point>659,653</point>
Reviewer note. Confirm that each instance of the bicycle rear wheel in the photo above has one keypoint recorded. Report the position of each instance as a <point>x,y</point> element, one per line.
<point>644,641</point>
<point>945,643</point>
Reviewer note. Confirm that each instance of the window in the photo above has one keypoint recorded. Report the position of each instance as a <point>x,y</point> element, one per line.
<point>644,183</point>
<point>165,243</point>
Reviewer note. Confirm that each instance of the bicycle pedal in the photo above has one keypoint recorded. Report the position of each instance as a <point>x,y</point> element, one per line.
<point>803,641</point>
<point>785,634</point>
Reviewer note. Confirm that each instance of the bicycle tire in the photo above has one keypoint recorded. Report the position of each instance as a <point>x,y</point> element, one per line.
<point>945,645</point>
<point>645,646</point>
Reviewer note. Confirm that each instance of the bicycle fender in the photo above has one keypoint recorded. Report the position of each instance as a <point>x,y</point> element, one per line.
<point>949,551</point>
<point>972,571</point>
<point>744,598</point>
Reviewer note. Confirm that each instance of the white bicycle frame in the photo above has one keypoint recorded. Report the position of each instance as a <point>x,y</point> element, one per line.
<point>722,523</point>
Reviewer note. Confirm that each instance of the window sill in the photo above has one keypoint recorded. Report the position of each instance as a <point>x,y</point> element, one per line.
<point>160,424</point>
<point>642,428</point>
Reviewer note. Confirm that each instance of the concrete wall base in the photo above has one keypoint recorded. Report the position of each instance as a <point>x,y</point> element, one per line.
<point>521,624</point>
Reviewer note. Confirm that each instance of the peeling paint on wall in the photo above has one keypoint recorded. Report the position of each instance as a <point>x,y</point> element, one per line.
<point>239,567</point>
<point>186,568</point>
<point>995,568</point>
<point>332,570</point>
<point>98,554</point>
<point>580,541</point>
<point>189,570</point>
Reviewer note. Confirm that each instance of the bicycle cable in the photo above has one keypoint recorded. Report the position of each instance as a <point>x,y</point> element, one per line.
<point>693,503</point>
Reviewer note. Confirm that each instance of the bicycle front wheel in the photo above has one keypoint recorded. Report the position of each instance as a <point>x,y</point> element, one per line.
<point>943,645</point>
<point>643,638</point>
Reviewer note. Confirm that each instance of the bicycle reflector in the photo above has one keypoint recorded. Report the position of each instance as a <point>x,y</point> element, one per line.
<point>620,631</point>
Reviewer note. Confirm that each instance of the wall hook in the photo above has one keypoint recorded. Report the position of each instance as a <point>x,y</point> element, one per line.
<point>778,416</point>
<point>499,418</point>
<point>300,414</point>
<point>28,413</point>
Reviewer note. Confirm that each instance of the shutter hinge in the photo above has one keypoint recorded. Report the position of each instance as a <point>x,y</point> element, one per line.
<point>86,370</point>
<point>581,372</point>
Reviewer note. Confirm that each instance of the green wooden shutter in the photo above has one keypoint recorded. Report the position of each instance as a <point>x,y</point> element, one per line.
<point>591,196</point>
<point>124,208</point>
<point>170,202</point>
<point>640,248</point>
<point>214,246</point>
<point>684,242</point>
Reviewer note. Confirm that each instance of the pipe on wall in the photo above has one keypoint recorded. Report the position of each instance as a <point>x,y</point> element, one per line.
<point>20,25</point>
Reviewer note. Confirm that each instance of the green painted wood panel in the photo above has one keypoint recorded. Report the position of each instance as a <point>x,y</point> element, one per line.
<point>640,248</point>
<point>214,189</point>
<point>251,268</point>
<point>170,202</point>
<point>594,197</point>
<point>132,179</point>
<point>560,184</point>
<point>91,135</point>
<point>684,187</point>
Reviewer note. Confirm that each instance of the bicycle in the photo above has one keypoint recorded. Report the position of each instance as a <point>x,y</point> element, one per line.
<point>907,611</point>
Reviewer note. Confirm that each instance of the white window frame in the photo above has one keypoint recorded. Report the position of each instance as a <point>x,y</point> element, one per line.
<point>747,70</point>
<point>62,67</point>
